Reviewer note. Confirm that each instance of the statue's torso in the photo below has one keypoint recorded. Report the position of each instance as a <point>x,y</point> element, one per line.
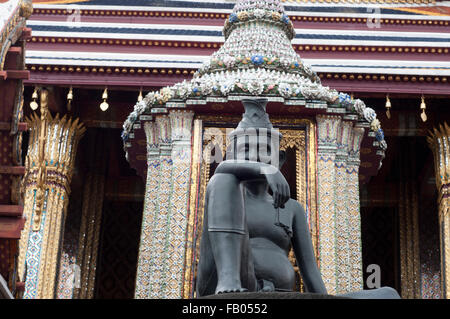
<point>270,243</point>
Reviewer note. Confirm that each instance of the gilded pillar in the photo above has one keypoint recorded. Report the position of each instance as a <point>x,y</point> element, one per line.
<point>49,168</point>
<point>327,131</point>
<point>439,141</point>
<point>353,206</point>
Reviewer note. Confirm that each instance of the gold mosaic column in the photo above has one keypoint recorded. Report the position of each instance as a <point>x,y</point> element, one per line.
<point>194,218</point>
<point>160,231</point>
<point>327,132</point>
<point>439,141</point>
<point>49,168</point>
<point>163,238</point>
<point>342,209</point>
<point>181,128</point>
<point>143,278</point>
<point>354,214</point>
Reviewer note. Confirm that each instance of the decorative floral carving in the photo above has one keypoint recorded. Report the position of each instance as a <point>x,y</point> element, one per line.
<point>285,90</point>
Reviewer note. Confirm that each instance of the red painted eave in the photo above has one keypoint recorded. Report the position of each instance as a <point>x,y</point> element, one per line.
<point>11,227</point>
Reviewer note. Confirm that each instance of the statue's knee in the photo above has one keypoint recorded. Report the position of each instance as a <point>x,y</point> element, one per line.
<point>222,182</point>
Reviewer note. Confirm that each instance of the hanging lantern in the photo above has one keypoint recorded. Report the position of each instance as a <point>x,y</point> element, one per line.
<point>388,106</point>
<point>104,106</point>
<point>423,107</point>
<point>69,98</point>
<point>34,105</point>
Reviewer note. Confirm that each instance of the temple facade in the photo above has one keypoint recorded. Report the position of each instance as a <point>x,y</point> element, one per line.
<point>115,118</point>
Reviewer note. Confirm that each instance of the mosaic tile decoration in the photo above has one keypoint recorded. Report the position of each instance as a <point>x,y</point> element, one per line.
<point>327,127</point>
<point>181,124</point>
<point>161,260</point>
<point>149,215</point>
<point>342,223</point>
<point>355,246</point>
<point>33,258</point>
<point>338,201</point>
<point>160,231</point>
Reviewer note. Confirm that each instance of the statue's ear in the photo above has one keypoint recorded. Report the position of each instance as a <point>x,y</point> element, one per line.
<point>282,158</point>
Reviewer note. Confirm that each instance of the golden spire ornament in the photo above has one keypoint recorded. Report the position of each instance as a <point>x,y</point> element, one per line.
<point>423,107</point>
<point>104,106</point>
<point>42,171</point>
<point>34,105</point>
<point>388,106</point>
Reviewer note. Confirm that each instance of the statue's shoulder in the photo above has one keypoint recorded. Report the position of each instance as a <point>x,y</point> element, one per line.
<point>295,206</point>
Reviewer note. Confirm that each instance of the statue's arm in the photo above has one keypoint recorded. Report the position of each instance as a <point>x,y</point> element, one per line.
<point>304,252</point>
<point>249,170</point>
<point>243,170</point>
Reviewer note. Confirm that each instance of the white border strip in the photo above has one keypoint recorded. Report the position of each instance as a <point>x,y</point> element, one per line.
<point>369,32</point>
<point>196,38</point>
<point>121,36</point>
<point>172,61</point>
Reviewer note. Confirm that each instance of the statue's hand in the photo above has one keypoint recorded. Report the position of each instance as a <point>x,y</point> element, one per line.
<point>281,192</point>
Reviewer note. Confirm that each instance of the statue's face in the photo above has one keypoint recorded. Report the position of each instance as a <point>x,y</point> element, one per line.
<point>257,147</point>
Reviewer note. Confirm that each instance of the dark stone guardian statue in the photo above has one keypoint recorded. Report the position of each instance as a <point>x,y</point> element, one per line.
<point>248,233</point>
<point>251,223</point>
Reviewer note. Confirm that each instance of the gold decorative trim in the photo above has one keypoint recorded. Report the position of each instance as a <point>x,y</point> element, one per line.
<point>439,142</point>
<point>222,16</point>
<point>131,71</point>
<point>193,208</point>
